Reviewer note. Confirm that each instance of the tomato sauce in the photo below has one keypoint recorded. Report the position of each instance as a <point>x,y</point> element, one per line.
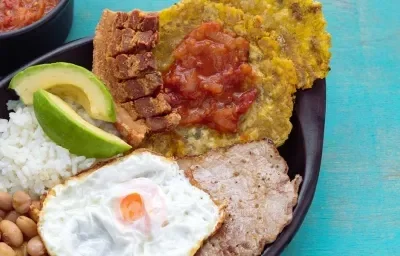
<point>16,14</point>
<point>208,81</point>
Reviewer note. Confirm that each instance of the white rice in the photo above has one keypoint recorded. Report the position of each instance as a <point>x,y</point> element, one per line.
<point>29,160</point>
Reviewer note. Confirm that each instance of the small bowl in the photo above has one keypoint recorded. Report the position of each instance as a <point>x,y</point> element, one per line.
<point>19,46</point>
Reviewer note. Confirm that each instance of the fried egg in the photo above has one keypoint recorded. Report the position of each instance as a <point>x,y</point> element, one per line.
<point>141,204</point>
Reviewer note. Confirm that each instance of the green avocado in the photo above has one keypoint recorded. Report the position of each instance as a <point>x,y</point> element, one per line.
<point>66,80</point>
<point>67,129</point>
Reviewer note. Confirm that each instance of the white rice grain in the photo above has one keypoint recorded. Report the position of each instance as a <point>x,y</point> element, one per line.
<point>29,160</point>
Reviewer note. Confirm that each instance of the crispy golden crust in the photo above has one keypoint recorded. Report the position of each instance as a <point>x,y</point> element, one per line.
<point>289,49</point>
<point>103,34</point>
<point>302,38</point>
<point>123,60</point>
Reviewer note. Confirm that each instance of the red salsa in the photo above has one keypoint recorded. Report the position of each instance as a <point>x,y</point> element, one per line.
<point>16,14</point>
<point>209,80</point>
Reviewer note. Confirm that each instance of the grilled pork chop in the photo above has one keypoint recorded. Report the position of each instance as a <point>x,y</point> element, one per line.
<point>252,180</point>
<point>123,60</point>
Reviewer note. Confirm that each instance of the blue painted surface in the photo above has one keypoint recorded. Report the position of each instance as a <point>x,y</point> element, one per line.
<point>356,210</point>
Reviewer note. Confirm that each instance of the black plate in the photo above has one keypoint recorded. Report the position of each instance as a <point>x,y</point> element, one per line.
<point>302,151</point>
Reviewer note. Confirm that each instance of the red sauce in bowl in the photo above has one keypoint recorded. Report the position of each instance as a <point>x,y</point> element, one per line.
<point>15,14</point>
<point>209,80</point>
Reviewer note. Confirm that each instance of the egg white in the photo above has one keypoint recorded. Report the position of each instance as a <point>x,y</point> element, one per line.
<point>81,217</point>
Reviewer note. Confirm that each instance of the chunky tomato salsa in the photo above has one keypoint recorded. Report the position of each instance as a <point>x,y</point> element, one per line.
<point>208,81</point>
<point>16,14</point>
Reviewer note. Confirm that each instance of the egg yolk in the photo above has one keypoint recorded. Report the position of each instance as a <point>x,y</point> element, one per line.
<point>132,207</point>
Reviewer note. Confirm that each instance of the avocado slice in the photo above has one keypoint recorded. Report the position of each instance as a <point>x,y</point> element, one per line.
<point>66,80</point>
<point>67,129</point>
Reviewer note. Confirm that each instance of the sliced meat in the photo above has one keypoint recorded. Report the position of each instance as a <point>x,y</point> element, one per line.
<point>252,179</point>
<point>133,131</point>
<point>137,20</point>
<point>144,86</point>
<point>123,60</point>
<point>122,42</point>
<point>148,106</point>
<point>134,20</point>
<point>133,89</point>
<point>145,40</point>
<point>121,19</point>
<point>130,41</point>
<point>150,22</point>
<point>163,123</point>
<point>141,22</point>
<point>129,107</point>
<point>138,88</point>
<point>131,66</point>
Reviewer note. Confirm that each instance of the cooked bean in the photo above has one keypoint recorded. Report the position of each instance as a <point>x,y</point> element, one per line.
<point>5,201</point>
<point>2,214</point>
<point>6,250</point>
<point>22,250</point>
<point>12,216</point>
<point>12,235</point>
<point>36,247</point>
<point>27,226</point>
<point>21,202</point>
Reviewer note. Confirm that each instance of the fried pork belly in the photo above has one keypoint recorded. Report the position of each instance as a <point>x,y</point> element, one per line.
<point>123,60</point>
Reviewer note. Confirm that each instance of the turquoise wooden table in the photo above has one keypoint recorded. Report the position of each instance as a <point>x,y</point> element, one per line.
<point>356,210</point>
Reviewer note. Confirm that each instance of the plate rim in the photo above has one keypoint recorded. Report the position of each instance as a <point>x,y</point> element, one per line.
<point>307,101</point>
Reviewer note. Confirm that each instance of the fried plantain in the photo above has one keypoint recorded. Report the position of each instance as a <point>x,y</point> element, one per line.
<point>289,50</point>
